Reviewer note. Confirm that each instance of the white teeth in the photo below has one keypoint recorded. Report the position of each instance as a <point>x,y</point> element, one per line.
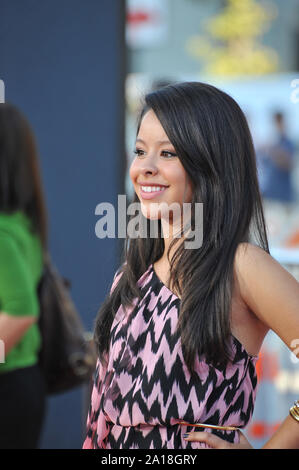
<point>151,189</point>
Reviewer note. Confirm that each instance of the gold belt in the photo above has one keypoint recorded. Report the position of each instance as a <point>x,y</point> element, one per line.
<point>211,426</point>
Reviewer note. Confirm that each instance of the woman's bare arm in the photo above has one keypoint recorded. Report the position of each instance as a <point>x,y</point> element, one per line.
<point>272,294</point>
<point>12,329</point>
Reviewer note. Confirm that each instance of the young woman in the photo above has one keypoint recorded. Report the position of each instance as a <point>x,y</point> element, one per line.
<point>179,334</point>
<point>23,234</point>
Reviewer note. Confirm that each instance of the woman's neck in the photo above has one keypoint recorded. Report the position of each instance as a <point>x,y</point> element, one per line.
<point>170,232</point>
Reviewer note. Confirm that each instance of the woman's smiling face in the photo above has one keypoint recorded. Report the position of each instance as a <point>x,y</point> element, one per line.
<point>156,172</point>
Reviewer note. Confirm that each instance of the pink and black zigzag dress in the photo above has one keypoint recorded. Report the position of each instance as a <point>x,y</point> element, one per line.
<point>139,400</point>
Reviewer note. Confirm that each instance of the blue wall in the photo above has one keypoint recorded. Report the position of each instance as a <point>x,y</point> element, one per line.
<point>62,62</point>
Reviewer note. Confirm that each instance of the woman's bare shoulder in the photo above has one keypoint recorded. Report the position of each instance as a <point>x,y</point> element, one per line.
<point>269,290</point>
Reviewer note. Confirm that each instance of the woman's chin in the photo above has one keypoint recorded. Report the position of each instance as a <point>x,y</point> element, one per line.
<point>149,211</point>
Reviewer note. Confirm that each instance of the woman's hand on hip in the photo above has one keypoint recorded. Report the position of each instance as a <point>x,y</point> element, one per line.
<point>216,442</point>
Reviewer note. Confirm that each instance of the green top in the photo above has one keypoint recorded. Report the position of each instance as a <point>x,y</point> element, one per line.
<point>20,271</point>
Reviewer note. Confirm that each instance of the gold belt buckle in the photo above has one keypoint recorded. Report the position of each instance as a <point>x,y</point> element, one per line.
<point>210,426</point>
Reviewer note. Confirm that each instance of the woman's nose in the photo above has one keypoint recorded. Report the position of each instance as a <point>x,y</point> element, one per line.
<point>149,166</point>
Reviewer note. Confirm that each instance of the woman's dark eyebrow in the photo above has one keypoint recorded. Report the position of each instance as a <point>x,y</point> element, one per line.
<point>160,142</point>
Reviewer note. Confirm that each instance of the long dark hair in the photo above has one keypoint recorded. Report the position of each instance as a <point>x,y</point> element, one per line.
<point>20,179</point>
<point>211,137</point>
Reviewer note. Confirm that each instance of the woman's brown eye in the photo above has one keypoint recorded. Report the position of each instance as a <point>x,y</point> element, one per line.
<point>167,154</point>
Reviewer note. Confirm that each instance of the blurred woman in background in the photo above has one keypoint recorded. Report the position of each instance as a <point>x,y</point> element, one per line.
<point>23,236</point>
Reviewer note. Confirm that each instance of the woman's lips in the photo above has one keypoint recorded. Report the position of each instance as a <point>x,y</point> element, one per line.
<point>152,194</point>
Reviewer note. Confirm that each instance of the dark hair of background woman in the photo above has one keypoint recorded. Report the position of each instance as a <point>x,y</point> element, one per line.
<point>20,180</point>
<point>211,137</point>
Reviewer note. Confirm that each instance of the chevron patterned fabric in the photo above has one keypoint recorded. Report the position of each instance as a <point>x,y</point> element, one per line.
<point>146,389</point>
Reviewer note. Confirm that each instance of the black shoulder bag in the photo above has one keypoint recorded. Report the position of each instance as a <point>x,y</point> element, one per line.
<point>66,358</point>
